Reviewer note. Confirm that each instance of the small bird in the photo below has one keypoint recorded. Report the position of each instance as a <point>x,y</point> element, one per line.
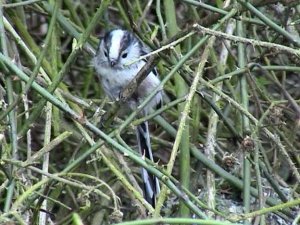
<point>116,65</point>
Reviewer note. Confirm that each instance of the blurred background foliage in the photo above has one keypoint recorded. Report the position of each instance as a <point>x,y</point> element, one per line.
<point>226,140</point>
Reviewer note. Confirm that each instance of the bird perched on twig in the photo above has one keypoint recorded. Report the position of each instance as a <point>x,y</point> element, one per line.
<point>116,65</point>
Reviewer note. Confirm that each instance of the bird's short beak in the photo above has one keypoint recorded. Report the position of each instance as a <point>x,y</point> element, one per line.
<point>113,63</point>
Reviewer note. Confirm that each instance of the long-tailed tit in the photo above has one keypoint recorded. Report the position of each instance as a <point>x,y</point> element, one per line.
<point>115,63</point>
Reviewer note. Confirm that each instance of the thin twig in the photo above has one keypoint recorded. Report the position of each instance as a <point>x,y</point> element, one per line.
<point>264,44</point>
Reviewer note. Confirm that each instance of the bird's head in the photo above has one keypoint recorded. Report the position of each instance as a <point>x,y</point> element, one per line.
<point>118,49</point>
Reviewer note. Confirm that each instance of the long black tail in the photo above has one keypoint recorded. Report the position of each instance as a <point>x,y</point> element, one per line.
<point>151,184</point>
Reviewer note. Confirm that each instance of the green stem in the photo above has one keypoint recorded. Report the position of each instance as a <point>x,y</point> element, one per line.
<point>222,11</point>
<point>252,41</point>
<point>182,140</point>
<point>175,221</point>
<point>11,115</point>
<point>74,15</point>
<point>275,208</point>
<point>70,61</point>
<point>160,20</point>
<point>245,122</point>
<point>45,164</point>
<point>38,63</point>
<point>270,23</point>
<point>23,3</point>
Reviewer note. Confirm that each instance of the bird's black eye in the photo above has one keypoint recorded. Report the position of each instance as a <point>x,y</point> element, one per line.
<point>105,53</point>
<point>124,55</point>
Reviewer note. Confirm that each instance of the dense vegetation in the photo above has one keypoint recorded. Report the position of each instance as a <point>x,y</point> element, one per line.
<point>226,139</point>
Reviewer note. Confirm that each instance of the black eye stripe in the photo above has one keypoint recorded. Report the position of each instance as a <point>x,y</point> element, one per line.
<point>107,41</point>
<point>107,38</point>
<point>127,40</point>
